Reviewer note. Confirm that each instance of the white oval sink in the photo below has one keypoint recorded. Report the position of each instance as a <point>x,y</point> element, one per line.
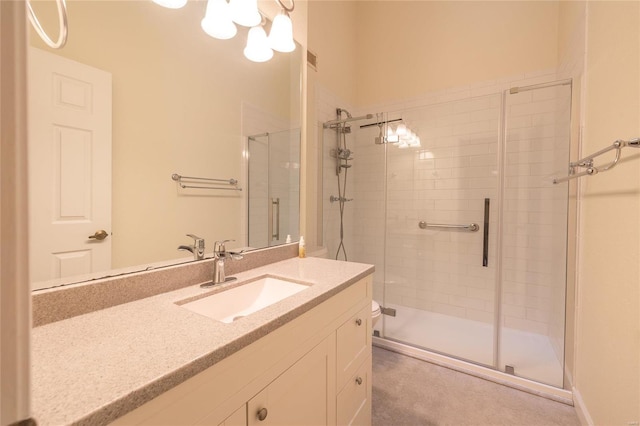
<point>245,299</point>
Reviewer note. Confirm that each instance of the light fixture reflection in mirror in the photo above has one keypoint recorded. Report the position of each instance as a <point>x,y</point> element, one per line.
<point>245,12</point>
<point>217,20</point>
<point>281,35</point>
<point>171,4</point>
<point>258,49</point>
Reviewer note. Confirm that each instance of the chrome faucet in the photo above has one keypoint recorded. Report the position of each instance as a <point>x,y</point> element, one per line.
<point>220,256</point>
<point>197,248</point>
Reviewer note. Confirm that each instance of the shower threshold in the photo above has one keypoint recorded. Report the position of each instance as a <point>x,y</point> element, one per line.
<point>525,385</point>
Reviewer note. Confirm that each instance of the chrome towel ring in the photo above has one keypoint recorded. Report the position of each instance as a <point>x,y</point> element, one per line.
<point>62,22</point>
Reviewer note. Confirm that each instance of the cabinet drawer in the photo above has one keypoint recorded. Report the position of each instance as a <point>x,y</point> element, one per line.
<point>354,401</point>
<point>353,344</point>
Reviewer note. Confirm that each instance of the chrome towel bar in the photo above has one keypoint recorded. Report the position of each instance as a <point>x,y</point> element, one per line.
<point>587,162</point>
<point>472,227</point>
<point>206,183</point>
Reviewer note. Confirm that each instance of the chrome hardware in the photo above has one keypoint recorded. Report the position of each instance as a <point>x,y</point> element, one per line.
<point>262,414</point>
<point>359,380</point>
<point>274,222</point>
<point>220,255</point>
<point>197,248</point>
<point>587,162</point>
<point>358,322</point>
<point>205,183</point>
<point>62,25</point>
<point>99,235</point>
<point>485,237</point>
<point>333,124</point>
<point>333,199</point>
<point>472,227</point>
<point>387,311</point>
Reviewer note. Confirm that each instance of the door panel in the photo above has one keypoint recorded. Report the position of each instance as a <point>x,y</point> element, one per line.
<point>69,167</point>
<point>437,274</point>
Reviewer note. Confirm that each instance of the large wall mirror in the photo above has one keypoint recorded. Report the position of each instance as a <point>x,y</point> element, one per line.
<point>138,94</point>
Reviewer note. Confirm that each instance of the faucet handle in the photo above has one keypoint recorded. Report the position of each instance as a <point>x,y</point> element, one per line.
<point>237,255</point>
<point>219,248</point>
<point>198,246</point>
<point>197,241</point>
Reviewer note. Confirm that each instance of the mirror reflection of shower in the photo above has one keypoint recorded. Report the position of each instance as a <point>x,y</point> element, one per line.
<point>343,156</point>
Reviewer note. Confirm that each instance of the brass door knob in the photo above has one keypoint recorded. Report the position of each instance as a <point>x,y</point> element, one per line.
<point>99,235</point>
<point>358,321</point>
<point>359,380</point>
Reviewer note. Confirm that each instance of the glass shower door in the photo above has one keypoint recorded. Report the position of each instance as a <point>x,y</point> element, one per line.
<point>274,187</point>
<point>440,242</point>
<point>534,240</point>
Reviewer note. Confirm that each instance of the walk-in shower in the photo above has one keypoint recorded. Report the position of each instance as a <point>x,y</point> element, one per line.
<point>467,231</point>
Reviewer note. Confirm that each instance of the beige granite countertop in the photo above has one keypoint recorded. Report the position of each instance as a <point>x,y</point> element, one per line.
<point>93,368</point>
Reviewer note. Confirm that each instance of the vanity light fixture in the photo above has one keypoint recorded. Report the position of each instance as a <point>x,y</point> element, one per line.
<point>245,12</point>
<point>217,20</point>
<point>171,4</point>
<point>281,35</point>
<point>258,49</point>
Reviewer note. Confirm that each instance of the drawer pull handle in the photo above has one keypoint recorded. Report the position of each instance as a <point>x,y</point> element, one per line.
<point>262,414</point>
<point>359,380</point>
<point>358,322</point>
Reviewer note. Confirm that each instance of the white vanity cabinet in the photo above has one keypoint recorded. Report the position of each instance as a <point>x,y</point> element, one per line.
<point>313,370</point>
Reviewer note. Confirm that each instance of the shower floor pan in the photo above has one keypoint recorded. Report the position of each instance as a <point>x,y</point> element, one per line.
<point>531,354</point>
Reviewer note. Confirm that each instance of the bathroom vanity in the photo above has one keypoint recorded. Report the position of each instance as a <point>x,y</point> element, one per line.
<point>305,359</point>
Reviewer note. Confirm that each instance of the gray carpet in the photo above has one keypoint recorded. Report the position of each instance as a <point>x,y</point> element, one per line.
<point>410,392</point>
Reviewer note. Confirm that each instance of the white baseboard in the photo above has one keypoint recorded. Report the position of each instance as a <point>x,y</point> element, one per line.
<point>581,409</point>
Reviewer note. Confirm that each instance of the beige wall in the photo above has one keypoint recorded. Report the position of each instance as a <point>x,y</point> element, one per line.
<point>177,96</point>
<point>332,37</point>
<point>406,48</point>
<point>608,340</point>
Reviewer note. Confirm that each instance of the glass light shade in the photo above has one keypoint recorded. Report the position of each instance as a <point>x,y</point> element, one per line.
<point>281,35</point>
<point>245,12</point>
<point>171,4</point>
<point>217,20</point>
<point>257,49</point>
<point>401,130</point>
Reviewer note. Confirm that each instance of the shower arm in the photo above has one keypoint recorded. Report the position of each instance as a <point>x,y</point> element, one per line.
<point>334,123</point>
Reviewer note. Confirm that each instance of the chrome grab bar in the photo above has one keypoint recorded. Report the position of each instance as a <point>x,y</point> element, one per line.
<point>472,227</point>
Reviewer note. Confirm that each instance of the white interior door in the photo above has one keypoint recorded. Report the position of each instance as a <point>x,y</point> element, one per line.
<point>69,167</point>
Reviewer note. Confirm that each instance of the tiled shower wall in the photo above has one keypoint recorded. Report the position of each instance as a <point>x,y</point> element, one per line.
<point>446,180</point>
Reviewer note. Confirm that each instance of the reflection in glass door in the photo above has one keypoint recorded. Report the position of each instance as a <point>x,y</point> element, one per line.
<point>274,187</point>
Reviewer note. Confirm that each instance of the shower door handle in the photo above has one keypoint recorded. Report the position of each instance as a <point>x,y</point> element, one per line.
<point>275,219</point>
<point>485,239</point>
